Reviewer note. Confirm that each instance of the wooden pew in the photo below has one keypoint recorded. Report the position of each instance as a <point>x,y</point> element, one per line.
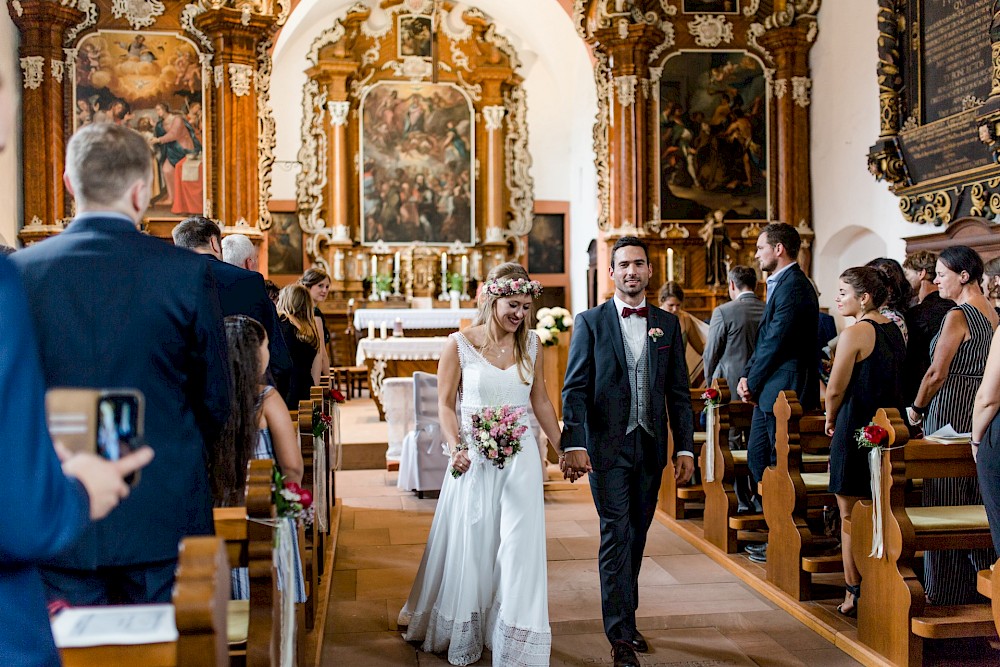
<point>673,497</point>
<point>312,546</point>
<point>200,598</point>
<point>254,624</point>
<point>986,582</point>
<point>793,496</point>
<point>720,495</point>
<point>324,394</point>
<point>893,616</point>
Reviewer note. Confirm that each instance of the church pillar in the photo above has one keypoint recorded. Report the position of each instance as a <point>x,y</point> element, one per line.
<point>339,164</point>
<point>491,159</point>
<point>631,123</point>
<point>793,93</point>
<point>233,177</point>
<point>43,66</point>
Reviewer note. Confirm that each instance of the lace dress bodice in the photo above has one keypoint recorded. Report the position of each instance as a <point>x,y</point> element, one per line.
<point>485,385</point>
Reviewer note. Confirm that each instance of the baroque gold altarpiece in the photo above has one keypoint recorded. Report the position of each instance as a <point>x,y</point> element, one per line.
<point>633,42</point>
<point>440,50</point>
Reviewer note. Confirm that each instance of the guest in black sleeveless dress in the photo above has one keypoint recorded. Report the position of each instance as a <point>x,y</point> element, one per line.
<point>865,377</point>
<point>946,395</point>
<point>304,342</point>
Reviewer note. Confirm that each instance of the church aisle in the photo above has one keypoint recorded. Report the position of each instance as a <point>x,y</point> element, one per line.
<point>692,611</point>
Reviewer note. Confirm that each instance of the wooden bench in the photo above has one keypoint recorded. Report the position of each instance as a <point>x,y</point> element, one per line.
<point>793,497</point>
<point>673,497</point>
<point>312,542</point>
<point>254,628</point>
<point>720,494</point>
<point>986,582</point>
<point>200,598</point>
<point>893,616</point>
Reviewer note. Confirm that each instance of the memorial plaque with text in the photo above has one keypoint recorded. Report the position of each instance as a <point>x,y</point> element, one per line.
<point>955,59</point>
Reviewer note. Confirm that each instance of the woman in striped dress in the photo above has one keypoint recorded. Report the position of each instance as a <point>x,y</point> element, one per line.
<point>946,396</point>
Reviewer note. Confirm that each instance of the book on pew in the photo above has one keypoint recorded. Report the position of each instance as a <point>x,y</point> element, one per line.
<point>947,435</point>
<point>80,627</point>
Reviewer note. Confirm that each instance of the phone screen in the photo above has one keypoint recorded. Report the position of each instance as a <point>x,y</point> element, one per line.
<point>117,426</point>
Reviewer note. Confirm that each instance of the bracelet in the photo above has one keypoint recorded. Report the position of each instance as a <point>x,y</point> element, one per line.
<point>920,411</point>
<point>974,443</point>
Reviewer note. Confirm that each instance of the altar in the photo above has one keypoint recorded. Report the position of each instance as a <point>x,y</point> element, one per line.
<point>397,357</point>
<point>416,321</point>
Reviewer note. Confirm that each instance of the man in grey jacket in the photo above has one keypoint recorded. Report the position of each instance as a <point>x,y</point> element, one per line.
<point>732,333</point>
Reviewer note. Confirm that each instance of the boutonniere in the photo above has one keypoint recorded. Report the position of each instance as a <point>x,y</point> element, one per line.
<point>656,333</point>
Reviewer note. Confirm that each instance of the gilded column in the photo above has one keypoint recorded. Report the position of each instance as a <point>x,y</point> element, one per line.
<point>490,153</point>
<point>884,158</point>
<point>43,25</point>
<point>339,163</point>
<point>233,172</point>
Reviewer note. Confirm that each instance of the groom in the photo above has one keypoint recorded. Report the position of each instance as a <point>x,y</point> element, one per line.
<point>626,363</point>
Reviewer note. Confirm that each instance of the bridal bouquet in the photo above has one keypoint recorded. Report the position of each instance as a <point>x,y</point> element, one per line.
<point>497,434</point>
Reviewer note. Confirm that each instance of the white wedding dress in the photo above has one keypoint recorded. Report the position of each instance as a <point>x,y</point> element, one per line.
<point>482,580</point>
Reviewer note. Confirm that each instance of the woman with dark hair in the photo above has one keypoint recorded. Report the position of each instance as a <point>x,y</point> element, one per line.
<point>865,377</point>
<point>482,580</point>
<point>298,327</point>
<point>317,282</point>
<point>945,398</point>
<point>259,427</point>
<point>899,294</point>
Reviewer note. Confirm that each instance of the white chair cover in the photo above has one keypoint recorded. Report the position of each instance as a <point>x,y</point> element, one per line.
<point>424,461</point>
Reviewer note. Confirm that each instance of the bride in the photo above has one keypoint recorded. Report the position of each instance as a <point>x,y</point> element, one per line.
<point>482,580</point>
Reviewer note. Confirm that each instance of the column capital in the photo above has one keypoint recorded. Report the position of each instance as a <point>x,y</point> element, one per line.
<point>493,115</point>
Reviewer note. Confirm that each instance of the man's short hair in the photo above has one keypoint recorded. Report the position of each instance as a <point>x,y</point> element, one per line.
<point>103,160</point>
<point>237,249</point>
<point>921,260</point>
<point>6,250</point>
<point>196,232</point>
<point>786,235</point>
<point>743,277</point>
<point>627,241</point>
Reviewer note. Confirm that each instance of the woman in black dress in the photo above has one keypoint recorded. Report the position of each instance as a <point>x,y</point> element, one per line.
<point>295,308</point>
<point>317,282</point>
<point>865,377</point>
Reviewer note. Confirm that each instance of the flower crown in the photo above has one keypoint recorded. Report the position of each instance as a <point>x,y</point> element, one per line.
<point>512,286</point>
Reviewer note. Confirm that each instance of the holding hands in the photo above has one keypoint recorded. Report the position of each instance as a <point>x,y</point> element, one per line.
<point>575,464</point>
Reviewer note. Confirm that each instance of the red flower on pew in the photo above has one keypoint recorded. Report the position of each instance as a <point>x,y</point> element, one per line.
<point>321,422</point>
<point>338,397</point>
<point>711,398</point>
<point>872,435</point>
<point>291,500</point>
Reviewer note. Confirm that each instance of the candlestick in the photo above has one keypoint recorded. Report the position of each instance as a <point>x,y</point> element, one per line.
<point>444,277</point>
<point>371,328</point>
<point>670,265</point>
<point>374,267</point>
<point>444,262</point>
<point>465,266</point>
<point>383,330</point>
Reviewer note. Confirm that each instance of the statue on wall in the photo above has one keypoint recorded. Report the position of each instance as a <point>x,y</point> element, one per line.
<point>718,245</point>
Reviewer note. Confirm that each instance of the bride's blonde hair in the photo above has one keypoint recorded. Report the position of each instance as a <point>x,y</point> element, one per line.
<point>488,313</point>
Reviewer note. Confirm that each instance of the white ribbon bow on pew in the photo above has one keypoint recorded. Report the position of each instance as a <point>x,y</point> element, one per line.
<point>875,468</point>
<point>711,414</point>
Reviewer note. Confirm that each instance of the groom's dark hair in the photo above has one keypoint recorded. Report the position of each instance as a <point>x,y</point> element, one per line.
<point>626,241</point>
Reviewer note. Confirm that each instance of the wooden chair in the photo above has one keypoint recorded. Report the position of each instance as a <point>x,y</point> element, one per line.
<point>254,627</point>
<point>200,598</point>
<point>793,496</point>
<point>893,616</point>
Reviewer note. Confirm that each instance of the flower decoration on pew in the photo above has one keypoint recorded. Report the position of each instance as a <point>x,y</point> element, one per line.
<point>496,434</point>
<point>338,396</point>
<point>711,398</point>
<point>291,500</point>
<point>871,436</point>
<point>550,322</point>
<point>321,423</point>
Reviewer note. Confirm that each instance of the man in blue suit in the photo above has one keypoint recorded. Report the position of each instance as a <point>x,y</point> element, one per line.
<point>113,307</point>
<point>241,291</point>
<point>45,508</point>
<point>626,371</point>
<point>785,354</point>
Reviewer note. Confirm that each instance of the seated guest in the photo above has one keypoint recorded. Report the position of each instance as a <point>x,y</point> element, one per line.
<point>923,319</point>
<point>986,438</point>
<point>318,283</point>
<point>991,282</point>
<point>259,427</point>
<point>272,291</point>
<point>693,331</point>
<point>298,326</point>
<point>898,301</point>
<point>945,398</point>
<point>241,290</point>
<point>866,376</point>
<point>49,507</point>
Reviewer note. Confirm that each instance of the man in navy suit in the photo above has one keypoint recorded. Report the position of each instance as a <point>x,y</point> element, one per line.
<point>785,354</point>
<point>45,508</point>
<point>626,370</point>
<point>241,290</point>
<point>113,307</point>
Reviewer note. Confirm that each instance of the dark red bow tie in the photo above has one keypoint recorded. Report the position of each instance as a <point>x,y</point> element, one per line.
<point>641,312</point>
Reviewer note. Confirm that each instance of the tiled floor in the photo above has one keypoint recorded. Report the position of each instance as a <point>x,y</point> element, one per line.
<point>691,610</point>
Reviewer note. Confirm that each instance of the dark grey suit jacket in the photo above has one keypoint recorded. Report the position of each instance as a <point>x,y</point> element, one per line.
<point>597,394</point>
<point>732,335</point>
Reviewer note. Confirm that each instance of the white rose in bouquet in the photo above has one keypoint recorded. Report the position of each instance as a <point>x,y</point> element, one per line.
<point>548,322</point>
<point>542,313</point>
<point>544,335</point>
<point>567,322</point>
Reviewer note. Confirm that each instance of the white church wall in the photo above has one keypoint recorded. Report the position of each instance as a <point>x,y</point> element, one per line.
<point>10,164</point>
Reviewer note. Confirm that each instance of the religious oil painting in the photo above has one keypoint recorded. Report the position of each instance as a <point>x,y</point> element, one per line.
<point>417,151</point>
<point>711,6</point>
<point>713,136</point>
<point>284,244</point>
<point>547,244</point>
<point>415,36</point>
<point>152,83</point>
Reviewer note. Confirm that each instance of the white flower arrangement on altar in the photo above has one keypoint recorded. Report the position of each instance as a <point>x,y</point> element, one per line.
<point>550,322</point>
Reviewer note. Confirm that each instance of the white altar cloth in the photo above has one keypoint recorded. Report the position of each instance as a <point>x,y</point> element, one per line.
<point>406,349</point>
<point>412,318</point>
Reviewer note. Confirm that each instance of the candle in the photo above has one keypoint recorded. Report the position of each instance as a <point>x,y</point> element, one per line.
<point>670,265</point>
<point>371,328</point>
<point>338,265</point>
<point>374,271</point>
<point>395,263</point>
<point>383,330</point>
<point>444,262</point>
<point>465,266</point>
<point>359,266</point>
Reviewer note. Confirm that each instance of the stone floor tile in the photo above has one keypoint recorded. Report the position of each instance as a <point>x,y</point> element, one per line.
<point>564,529</point>
<point>357,616</point>
<point>378,557</point>
<point>385,583</point>
<point>364,537</point>
<point>368,649</point>
<point>409,534</point>
<point>694,569</point>
<point>825,657</point>
<point>373,502</point>
<point>344,585</point>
